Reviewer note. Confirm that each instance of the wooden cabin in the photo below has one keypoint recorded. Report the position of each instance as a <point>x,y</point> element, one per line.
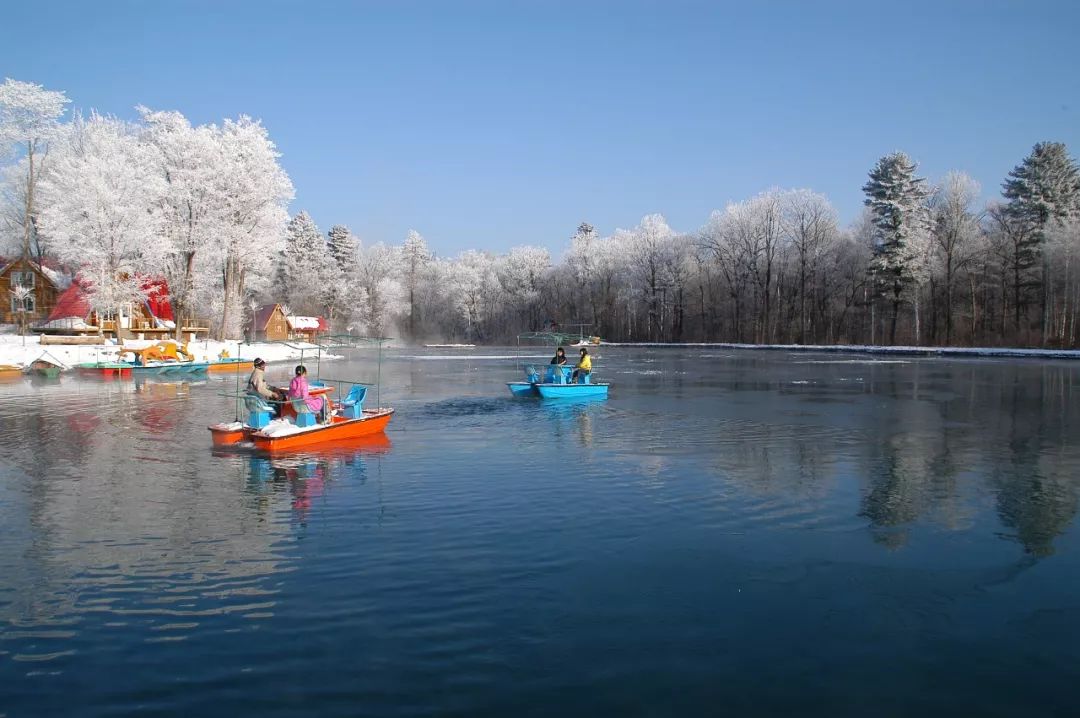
<point>270,324</point>
<point>45,284</point>
<point>151,318</point>
<point>307,329</point>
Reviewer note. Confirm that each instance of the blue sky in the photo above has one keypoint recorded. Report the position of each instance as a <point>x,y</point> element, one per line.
<point>492,124</point>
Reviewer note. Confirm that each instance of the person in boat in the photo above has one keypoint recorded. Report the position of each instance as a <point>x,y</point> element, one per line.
<point>556,364</point>
<point>256,384</point>
<point>584,366</point>
<point>299,389</point>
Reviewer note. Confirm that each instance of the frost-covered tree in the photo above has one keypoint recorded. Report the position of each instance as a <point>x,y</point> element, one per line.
<point>897,200</point>
<point>29,119</point>
<point>1042,190</point>
<point>306,259</point>
<point>375,276</point>
<point>472,287</point>
<point>522,273</point>
<point>648,246</point>
<point>416,257</point>
<point>810,223</point>
<point>955,230</point>
<point>340,293</point>
<point>99,209</point>
<point>194,212</point>
<point>256,192</point>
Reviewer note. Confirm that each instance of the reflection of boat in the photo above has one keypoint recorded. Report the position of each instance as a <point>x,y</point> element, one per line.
<point>286,435</point>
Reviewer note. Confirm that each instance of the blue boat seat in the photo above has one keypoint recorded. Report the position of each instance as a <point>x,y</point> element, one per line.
<point>353,405</point>
<point>259,412</point>
<point>583,377</point>
<point>304,417</point>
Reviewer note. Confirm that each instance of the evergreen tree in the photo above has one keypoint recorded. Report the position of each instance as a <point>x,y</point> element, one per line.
<point>1043,190</point>
<point>342,246</point>
<point>307,264</point>
<point>897,202</point>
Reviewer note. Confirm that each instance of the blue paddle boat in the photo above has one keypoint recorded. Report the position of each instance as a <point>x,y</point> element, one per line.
<point>556,385</point>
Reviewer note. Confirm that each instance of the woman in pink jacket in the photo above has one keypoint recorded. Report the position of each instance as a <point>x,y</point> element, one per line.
<point>299,389</point>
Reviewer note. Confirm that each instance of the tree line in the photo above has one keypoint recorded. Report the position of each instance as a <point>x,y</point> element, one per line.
<point>207,207</point>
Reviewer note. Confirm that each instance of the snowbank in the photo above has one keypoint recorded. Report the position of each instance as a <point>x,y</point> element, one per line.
<point>20,351</point>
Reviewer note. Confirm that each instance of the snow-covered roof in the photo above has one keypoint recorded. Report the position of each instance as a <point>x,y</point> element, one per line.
<point>58,278</point>
<point>306,323</point>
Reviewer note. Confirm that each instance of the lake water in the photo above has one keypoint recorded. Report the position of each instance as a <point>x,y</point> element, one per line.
<point>731,532</point>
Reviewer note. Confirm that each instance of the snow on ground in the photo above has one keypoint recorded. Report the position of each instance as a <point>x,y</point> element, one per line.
<point>20,351</point>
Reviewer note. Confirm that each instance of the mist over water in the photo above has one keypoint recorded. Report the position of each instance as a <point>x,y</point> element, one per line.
<point>764,532</point>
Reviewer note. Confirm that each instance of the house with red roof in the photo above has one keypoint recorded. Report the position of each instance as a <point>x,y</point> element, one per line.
<point>73,313</point>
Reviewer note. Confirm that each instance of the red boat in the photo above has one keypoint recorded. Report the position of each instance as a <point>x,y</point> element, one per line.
<point>372,421</point>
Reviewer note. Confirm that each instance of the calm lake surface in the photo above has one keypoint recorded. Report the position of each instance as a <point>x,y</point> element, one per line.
<point>731,532</point>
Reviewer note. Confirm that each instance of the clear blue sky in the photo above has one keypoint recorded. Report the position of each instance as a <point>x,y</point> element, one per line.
<point>490,124</point>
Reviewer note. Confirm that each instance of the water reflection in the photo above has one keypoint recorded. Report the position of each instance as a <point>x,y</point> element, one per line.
<point>307,474</point>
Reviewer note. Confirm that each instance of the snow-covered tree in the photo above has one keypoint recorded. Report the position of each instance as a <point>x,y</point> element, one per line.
<point>810,223</point>
<point>897,200</point>
<point>472,286</point>
<point>99,209</point>
<point>416,257</point>
<point>256,192</point>
<point>306,259</point>
<point>648,246</point>
<point>29,119</point>
<point>380,291</point>
<point>955,229</point>
<point>522,273</point>
<point>1042,190</point>
<point>193,207</point>
<point>340,293</point>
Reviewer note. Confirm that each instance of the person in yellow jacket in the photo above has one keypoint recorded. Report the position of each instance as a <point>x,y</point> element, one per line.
<point>584,365</point>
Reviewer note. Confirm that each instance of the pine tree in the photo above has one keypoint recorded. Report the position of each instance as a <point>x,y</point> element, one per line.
<point>1042,190</point>
<point>897,202</point>
<point>307,260</point>
<point>342,246</point>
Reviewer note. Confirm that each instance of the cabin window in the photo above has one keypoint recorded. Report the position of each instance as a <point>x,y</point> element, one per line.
<point>22,279</point>
<point>27,303</point>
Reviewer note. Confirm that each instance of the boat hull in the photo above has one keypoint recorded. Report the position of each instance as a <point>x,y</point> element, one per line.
<point>571,391</point>
<point>372,422</point>
<point>230,365</point>
<point>522,388</point>
<point>105,371</point>
<point>228,434</point>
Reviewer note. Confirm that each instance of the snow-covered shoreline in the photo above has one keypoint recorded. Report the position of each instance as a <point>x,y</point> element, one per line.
<point>1014,353</point>
<point>13,351</point>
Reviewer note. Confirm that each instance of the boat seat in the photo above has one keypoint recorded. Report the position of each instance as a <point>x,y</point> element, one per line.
<point>352,407</point>
<point>304,417</point>
<point>583,377</point>
<point>259,412</point>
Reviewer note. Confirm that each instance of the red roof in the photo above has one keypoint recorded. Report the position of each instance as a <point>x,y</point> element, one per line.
<point>74,303</point>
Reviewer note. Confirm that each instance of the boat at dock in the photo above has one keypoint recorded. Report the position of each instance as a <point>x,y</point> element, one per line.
<point>10,371</point>
<point>105,369</point>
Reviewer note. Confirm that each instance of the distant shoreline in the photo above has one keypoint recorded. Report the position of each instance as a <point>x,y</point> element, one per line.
<point>1012,353</point>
